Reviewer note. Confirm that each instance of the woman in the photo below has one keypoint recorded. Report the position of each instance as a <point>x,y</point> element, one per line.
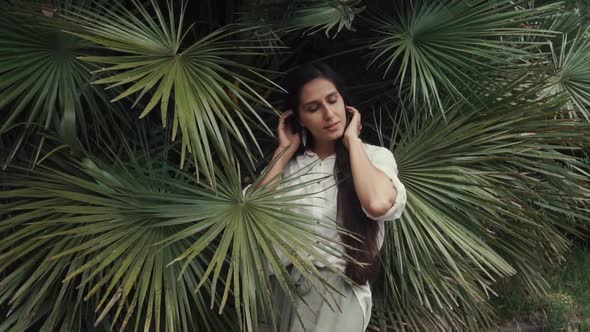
<point>362,194</point>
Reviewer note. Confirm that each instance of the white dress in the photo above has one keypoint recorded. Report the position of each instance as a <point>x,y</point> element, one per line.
<point>322,204</point>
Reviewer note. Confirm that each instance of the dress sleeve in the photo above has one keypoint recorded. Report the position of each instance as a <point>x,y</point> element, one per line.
<point>383,159</point>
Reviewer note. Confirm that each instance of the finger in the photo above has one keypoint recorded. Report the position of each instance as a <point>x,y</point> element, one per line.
<point>287,113</point>
<point>283,118</point>
<point>356,115</point>
<point>352,110</point>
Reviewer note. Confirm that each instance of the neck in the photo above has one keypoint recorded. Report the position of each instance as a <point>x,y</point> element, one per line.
<point>324,149</point>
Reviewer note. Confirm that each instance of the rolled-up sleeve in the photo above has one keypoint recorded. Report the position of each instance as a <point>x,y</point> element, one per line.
<point>383,159</point>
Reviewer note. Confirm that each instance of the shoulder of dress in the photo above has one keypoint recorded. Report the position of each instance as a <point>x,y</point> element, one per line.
<point>378,153</point>
<point>370,148</point>
<point>291,162</point>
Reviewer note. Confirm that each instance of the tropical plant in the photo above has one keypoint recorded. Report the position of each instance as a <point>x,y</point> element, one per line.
<point>111,233</point>
<point>489,186</point>
<point>108,223</point>
<point>453,47</point>
<point>44,85</point>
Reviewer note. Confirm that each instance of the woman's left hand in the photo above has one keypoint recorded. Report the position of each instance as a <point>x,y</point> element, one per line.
<point>354,128</point>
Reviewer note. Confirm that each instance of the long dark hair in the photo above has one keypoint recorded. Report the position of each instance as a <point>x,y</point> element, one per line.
<point>364,249</point>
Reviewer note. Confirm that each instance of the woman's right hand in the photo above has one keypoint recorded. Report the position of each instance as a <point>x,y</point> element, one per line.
<point>280,159</point>
<point>287,138</point>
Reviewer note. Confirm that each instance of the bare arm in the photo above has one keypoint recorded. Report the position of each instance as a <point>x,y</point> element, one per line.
<point>373,188</point>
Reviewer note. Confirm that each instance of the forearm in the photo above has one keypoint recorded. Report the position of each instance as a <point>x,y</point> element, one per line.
<point>374,189</point>
<point>278,164</point>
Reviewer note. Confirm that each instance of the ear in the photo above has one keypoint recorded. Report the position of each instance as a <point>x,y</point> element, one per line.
<point>298,119</point>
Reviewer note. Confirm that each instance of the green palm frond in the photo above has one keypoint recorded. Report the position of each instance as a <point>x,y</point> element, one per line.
<point>310,16</point>
<point>87,237</point>
<point>570,73</point>
<point>563,60</point>
<point>112,236</point>
<point>208,90</point>
<point>489,194</point>
<point>43,86</point>
<point>452,47</point>
<point>77,230</point>
<point>257,225</point>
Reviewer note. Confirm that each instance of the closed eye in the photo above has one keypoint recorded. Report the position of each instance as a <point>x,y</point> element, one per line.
<point>332,97</point>
<point>314,108</point>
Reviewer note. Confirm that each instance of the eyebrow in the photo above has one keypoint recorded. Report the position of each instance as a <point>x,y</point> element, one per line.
<point>315,101</point>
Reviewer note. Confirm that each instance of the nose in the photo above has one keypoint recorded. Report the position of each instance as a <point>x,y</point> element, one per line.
<point>329,111</point>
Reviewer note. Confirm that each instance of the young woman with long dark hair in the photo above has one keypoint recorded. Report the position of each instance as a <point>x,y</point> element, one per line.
<point>363,193</point>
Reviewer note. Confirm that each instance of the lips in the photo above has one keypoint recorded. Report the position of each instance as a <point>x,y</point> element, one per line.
<point>332,126</point>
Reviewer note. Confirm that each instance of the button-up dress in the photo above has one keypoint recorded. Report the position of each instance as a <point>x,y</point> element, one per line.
<point>320,202</point>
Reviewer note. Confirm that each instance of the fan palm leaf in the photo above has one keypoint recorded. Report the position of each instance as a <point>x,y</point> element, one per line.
<point>309,16</point>
<point>490,194</point>
<point>91,243</point>
<point>80,229</point>
<point>569,73</point>
<point>43,85</point>
<point>209,90</point>
<point>563,60</point>
<point>452,47</point>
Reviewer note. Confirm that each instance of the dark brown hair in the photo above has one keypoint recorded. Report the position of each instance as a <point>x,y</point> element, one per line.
<point>353,219</point>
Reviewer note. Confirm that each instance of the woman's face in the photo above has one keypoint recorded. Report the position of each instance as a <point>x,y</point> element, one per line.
<point>322,110</point>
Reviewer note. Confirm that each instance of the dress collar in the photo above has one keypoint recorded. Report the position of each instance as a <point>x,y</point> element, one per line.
<point>310,154</point>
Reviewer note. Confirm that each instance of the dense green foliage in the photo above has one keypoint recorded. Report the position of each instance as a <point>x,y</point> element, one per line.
<point>130,129</point>
<point>565,307</point>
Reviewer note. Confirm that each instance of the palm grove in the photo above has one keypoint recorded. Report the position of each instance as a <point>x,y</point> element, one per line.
<point>129,130</point>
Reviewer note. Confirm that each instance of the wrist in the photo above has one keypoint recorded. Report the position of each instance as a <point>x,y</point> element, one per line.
<point>289,150</point>
<point>350,141</point>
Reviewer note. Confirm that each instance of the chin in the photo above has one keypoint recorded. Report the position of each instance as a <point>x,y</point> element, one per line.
<point>335,136</point>
<point>332,137</point>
